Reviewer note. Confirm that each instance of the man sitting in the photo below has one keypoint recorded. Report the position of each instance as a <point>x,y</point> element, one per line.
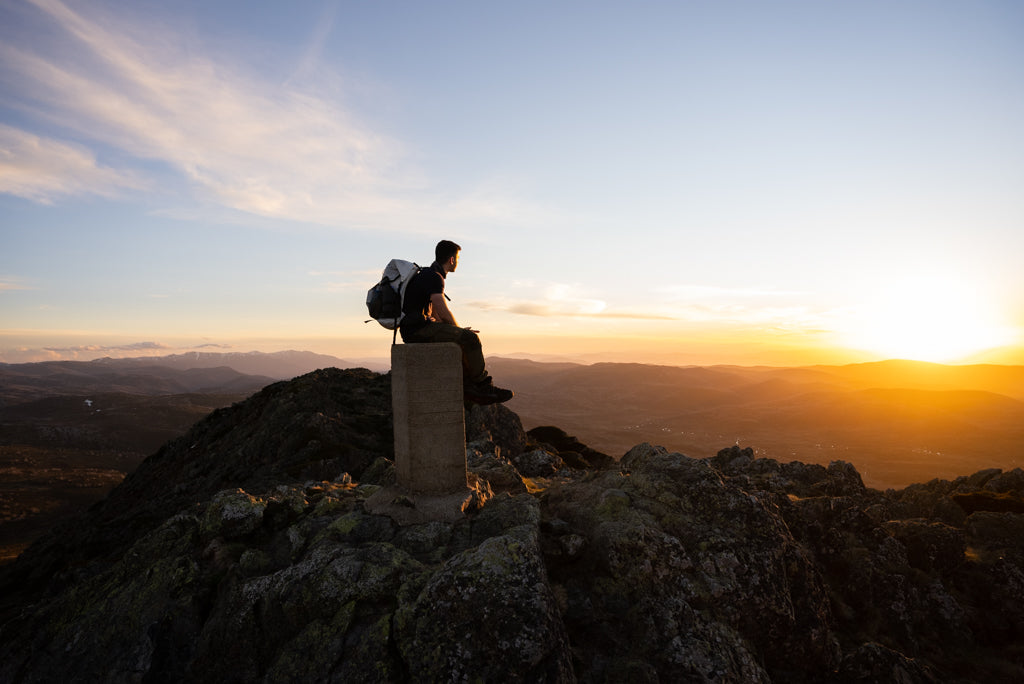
<point>428,319</point>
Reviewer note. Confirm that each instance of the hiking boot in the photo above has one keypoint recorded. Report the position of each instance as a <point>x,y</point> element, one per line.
<point>502,395</point>
<point>485,392</point>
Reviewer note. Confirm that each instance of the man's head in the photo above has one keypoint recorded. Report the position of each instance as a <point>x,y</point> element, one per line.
<point>447,255</point>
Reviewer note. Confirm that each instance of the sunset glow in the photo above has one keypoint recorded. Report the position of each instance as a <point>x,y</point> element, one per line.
<point>742,182</point>
<point>927,319</point>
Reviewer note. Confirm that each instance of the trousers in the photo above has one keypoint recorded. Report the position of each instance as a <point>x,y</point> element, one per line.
<point>473,369</point>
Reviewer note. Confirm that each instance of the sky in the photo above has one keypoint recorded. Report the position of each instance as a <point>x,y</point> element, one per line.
<point>741,182</point>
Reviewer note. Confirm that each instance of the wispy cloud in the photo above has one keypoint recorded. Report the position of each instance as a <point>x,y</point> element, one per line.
<point>42,169</point>
<point>345,281</point>
<point>694,292</point>
<point>558,300</point>
<point>240,139</point>
<point>777,311</point>
<point>8,284</point>
<point>311,58</point>
<point>763,307</point>
<point>549,309</point>
<point>133,347</point>
<point>85,352</point>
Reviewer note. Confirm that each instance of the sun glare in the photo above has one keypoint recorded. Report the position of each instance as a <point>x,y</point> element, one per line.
<point>927,319</point>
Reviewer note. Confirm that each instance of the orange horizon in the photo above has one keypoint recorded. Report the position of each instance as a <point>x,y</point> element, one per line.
<point>739,349</point>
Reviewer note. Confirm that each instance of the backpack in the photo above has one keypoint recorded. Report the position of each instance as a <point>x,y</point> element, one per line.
<point>384,300</point>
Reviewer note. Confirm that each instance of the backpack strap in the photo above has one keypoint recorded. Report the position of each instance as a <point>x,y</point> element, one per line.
<point>401,313</point>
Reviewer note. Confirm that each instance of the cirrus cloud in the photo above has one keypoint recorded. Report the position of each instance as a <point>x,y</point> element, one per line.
<point>558,300</point>
<point>42,169</point>
<point>157,100</point>
<point>8,284</point>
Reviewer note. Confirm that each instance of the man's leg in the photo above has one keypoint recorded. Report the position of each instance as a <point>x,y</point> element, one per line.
<point>477,385</point>
<point>469,341</point>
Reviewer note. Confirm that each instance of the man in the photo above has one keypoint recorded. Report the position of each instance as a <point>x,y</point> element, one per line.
<point>427,318</point>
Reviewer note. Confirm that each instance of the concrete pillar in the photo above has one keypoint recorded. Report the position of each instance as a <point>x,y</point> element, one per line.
<point>430,426</point>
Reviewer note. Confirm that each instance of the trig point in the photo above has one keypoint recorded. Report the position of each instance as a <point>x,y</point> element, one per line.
<point>430,438</point>
<point>430,426</point>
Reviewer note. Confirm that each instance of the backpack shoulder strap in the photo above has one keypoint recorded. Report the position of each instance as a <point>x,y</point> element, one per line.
<point>407,271</point>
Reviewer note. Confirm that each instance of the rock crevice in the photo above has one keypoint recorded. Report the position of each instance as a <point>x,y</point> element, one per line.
<point>250,550</point>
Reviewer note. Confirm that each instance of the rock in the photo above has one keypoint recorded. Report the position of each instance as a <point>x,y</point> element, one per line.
<point>538,463</point>
<point>496,423</point>
<point>978,480</point>
<point>487,613</point>
<point>666,579</point>
<point>316,426</point>
<point>985,500</point>
<point>501,475</point>
<point>640,453</point>
<point>380,472</point>
<point>733,459</point>
<point>572,545</point>
<point>996,535</point>
<point>570,449</point>
<point>233,513</point>
<point>873,662</point>
<point>800,479</point>
<point>552,435</point>
<point>930,545</point>
<point>930,500</point>
<point>226,558</point>
<point>1009,482</point>
<point>842,479</point>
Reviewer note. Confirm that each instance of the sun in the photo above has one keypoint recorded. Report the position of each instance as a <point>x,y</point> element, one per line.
<point>926,318</point>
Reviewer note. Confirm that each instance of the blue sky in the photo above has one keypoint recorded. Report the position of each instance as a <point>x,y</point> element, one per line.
<point>682,182</point>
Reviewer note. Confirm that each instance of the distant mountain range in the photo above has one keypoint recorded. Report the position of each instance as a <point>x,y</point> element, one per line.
<point>197,372</point>
<point>899,422</point>
<point>282,365</point>
<point>267,544</point>
<point>70,430</point>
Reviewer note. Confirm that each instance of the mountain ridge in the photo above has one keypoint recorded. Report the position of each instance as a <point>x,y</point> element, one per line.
<point>789,412</point>
<point>282,365</point>
<point>244,551</point>
<point>114,412</point>
<point>175,373</point>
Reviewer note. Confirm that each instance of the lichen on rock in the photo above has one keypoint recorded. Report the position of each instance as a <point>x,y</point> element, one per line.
<point>250,550</point>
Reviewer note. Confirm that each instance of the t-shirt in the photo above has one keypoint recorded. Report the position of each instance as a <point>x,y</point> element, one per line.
<point>416,305</point>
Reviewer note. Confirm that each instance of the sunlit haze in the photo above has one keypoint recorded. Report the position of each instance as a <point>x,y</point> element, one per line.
<point>749,183</point>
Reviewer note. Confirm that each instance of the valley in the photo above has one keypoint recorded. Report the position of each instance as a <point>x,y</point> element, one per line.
<point>897,422</point>
<point>70,431</point>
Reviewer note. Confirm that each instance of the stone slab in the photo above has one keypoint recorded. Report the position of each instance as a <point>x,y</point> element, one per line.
<point>429,420</point>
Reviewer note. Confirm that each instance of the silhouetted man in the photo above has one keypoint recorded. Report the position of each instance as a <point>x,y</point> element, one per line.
<point>428,319</point>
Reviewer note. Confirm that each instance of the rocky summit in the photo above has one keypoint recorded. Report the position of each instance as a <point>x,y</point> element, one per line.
<point>243,551</point>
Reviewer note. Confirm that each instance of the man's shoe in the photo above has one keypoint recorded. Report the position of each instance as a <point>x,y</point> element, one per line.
<point>503,395</point>
<point>484,393</point>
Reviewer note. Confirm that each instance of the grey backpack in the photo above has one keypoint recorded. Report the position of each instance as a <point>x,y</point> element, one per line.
<point>384,300</point>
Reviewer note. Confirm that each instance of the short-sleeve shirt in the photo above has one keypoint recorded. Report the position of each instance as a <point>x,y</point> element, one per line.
<point>416,305</point>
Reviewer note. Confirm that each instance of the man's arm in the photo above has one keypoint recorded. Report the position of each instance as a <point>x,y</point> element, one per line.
<point>439,310</point>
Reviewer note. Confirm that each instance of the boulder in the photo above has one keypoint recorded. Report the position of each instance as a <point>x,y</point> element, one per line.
<point>484,460</point>
<point>538,463</point>
<point>930,545</point>
<point>987,500</point>
<point>225,559</point>
<point>497,424</point>
<point>873,662</point>
<point>569,448</point>
<point>682,575</point>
